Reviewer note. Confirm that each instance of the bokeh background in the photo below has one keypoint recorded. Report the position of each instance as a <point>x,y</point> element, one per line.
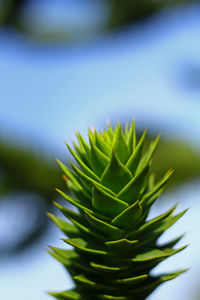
<point>69,65</point>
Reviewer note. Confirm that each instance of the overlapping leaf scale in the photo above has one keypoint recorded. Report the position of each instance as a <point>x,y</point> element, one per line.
<point>114,248</point>
<point>74,294</point>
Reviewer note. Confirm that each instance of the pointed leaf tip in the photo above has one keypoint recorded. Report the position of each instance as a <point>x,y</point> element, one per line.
<point>131,138</point>
<point>106,203</point>
<point>116,175</point>
<point>127,218</point>
<point>106,228</point>
<point>99,160</point>
<point>120,145</point>
<point>135,157</point>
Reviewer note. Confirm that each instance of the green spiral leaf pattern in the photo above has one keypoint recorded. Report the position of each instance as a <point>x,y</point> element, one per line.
<point>115,246</point>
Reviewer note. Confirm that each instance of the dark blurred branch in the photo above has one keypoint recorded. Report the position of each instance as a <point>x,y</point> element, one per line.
<point>132,11</point>
<point>120,14</point>
<point>10,12</point>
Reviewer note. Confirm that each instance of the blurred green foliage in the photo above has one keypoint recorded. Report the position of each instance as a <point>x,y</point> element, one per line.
<point>178,155</point>
<point>25,172</point>
<point>21,169</point>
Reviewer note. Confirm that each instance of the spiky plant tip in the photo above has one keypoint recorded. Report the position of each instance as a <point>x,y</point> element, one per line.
<point>48,214</point>
<point>114,245</point>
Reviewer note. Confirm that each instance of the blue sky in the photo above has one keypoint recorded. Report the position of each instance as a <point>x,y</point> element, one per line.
<point>46,94</point>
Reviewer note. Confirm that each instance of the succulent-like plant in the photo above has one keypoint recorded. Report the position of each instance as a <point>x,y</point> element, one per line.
<point>115,246</point>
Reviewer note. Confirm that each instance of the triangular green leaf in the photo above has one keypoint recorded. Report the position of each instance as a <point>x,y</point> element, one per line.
<point>68,295</point>
<point>120,244</point>
<point>70,214</point>
<point>107,269</point>
<point>131,139</point>
<point>99,160</point>
<point>116,175</point>
<point>150,225</point>
<point>132,280</point>
<point>109,133</point>
<point>102,144</point>
<point>83,143</point>
<point>91,181</point>
<point>69,229</point>
<point>68,173</point>
<point>156,254</point>
<point>171,243</point>
<point>131,192</point>
<point>109,230</point>
<point>129,216</point>
<point>144,162</point>
<point>134,159</point>
<point>120,146</point>
<point>82,246</point>
<point>75,202</point>
<point>106,203</point>
<point>84,149</point>
<point>88,171</point>
<point>156,188</point>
